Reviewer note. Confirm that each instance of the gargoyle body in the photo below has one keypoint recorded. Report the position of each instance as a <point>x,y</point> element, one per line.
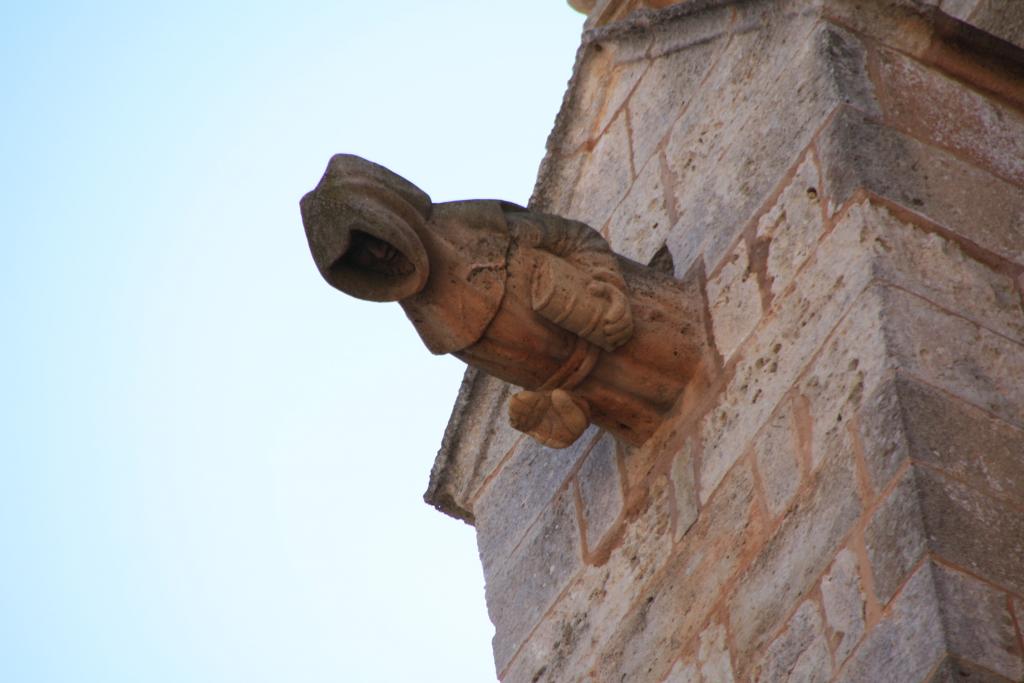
<point>534,299</point>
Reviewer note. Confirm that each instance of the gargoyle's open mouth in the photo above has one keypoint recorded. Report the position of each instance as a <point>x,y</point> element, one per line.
<point>369,253</point>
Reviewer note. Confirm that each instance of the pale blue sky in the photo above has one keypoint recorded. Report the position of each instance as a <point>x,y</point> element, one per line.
<point>211,463</point>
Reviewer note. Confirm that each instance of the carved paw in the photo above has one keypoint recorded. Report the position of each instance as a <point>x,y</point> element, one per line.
<point>555,419</point>
<point>617,321</point>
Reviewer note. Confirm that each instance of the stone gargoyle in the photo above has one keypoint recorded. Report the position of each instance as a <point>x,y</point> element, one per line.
<point>534,299</point>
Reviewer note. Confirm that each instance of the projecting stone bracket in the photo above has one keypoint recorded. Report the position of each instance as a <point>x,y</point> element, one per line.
<point>536,300</point>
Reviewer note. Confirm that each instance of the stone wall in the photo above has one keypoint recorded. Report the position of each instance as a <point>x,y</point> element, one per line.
<point>844,499</point>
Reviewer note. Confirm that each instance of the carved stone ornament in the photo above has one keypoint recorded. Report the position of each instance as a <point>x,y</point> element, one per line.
<point>534,299</point>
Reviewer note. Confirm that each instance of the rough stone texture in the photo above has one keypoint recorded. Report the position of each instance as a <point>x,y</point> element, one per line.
<point>794,558</point>
<point>973,531</point>
<point>933,107</point>
<point>792,227</point>
<point>882,435</point>
<point>605,177</point>
<point>518,495</point>
<point>800,653</point>
<point>955,670</point>
<point>522,588</point>
<point>640,223</point>
<point>895,537</point>
<point>1004,19</point>
<point>685,489</point>
<point>777,463</point>
<point>963,441</point>
<point>978,623</point>
<point>600,490</point>
<point>671,610</point>
<point>797,70</point>
<point>842,597</point>
<point>907,644</point>
<point>713,655</point>
<point>735,300</point>
<point>599,598</point>
<point>857,153</point>
<point>783,344</point>
<point>476,440</point>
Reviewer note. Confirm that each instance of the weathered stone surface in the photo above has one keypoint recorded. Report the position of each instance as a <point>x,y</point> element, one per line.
<point>522,588</point>
<point>793,559</point>
<point>978,623</point>
<point>594,604</point>
<point>684,486</point>
<point>735,301</point>
<point>671,611</point>
<point>791,229</point>
<point>518,495</point>
<point>805,73</point>
<point>800,653</point>
<point>684,672</point>
<point>947,113</point>
<point>939,270</point>
<point>907,643</point>
<point>842,597</point>
<point>895,537</point>
<point>713,655</point>
<point>477,438</point>
<point>954,354</point>
<point>857,153</point>
<point>972,530</point>
<point>777,463</point>
<point>956,670</point>
<point>605,178</point>
<point>784,343</point>
<point>882,434</point>
<point>640,223</point>
<point>663,93</point>
<point>1001,18</point>
<point>965,442</point>
<point>600,490</point>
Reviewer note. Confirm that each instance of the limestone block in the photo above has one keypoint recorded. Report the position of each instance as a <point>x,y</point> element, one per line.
<point>519,493</point>
<point>805,73</point>
<point>556,183</point>
<point>792,227</point>
<point>476,440</point>
<point>793,559</point>
<point>672,610</point>
<point>684,672</point>
<point>685,488</point>
<point>600,490</point>
<point>605,178</point>
<point>713,655</point>
<point>1001,18</point>
<point>954,354</point>
<point>956,670</point>
<point>882,434</point>
<point>907,643</point>
<point>640,223</point>
<point>735,301</point>
<point>800,653</point>
<point>594,604</point>
<point>857,153</point>
<point>939,269</point>
<point>663,93</point>
<point>522,588</point>
<point>971,446</point>
<point>784,342</point>
<point>895,537</point>
<point>978,623</point>
<point>624,79</point>
<point>842,597</point>
<point>973,531</point>
<point>777,463</point>
<point>945,112</point>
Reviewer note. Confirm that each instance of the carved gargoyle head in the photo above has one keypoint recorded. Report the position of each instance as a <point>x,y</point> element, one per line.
<point>363,224</point>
